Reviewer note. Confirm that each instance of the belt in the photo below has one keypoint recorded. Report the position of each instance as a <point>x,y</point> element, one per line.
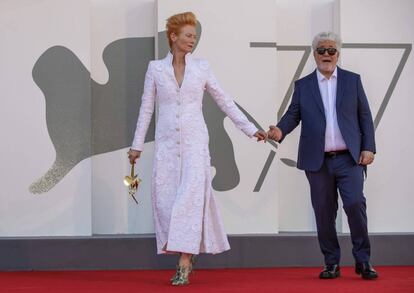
<point>333,154</point>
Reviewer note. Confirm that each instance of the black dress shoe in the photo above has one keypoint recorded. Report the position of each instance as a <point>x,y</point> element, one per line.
<point>366,271</point>
<point>330,272</point>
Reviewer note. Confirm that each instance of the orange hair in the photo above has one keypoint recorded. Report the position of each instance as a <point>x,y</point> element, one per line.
<point>177,21</point>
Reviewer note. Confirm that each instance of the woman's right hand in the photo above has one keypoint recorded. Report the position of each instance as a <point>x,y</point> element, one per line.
<point>133,155</point>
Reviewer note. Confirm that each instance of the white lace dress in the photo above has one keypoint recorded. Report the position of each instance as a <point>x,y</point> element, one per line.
<point>186,216</point>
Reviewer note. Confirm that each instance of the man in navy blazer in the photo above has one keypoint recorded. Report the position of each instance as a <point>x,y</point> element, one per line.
<point>337,142</point>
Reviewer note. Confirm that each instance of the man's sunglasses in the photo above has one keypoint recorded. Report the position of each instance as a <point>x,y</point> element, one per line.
<point>321,51</point>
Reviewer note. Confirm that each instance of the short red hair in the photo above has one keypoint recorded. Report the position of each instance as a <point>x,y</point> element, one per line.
<point>177,21</point>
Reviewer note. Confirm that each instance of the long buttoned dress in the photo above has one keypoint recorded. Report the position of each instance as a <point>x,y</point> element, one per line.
<point>186,217</point>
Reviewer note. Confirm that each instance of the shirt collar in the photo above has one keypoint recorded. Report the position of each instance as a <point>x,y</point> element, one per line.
<point>321,77</point>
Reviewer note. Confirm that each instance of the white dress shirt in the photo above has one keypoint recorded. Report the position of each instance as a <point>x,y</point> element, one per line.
<point>333,137</point>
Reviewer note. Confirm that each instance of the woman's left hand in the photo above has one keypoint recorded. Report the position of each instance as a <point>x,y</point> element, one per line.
<point>261,135</point>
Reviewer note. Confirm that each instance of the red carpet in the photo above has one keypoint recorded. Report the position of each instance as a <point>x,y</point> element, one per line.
<point>392,279</point>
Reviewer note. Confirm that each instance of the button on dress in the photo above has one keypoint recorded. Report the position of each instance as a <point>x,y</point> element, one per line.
<point>186,217</point>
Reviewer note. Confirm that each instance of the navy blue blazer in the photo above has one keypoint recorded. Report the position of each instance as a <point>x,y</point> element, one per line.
<point>353,114</point>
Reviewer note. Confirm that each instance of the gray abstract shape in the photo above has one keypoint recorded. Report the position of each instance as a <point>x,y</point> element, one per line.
<point>407,50</point>
<point>65,83</point>
<point>83,117</point>
<point>306,53</point>
<point>227,174</point>
<point>221,148</point>
<point>264,172</point>
<point>115,105</point>
<point>288,162</point>
<point>270,158</point>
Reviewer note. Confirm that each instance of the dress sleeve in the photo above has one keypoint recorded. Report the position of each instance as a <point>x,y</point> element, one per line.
<point>226,103</point>
<point>146,111</point>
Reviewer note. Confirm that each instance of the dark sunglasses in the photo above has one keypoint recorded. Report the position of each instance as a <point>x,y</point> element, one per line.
<point>331,51</point>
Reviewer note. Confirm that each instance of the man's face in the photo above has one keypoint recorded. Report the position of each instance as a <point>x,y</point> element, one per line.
<point>325,62</point>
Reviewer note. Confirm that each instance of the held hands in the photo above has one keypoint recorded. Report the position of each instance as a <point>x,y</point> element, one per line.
<point>133,155</point>
<point>366,158</point>
<point>274,133</point>
<point>261,135</point>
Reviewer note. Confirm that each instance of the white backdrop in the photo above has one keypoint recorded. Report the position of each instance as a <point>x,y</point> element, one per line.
<point>388,188</point>
<point>91,198</point>
<point>112,211</point>
<point>27,29</point>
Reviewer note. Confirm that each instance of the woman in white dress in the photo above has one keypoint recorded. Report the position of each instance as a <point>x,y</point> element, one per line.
<point>186,217</point>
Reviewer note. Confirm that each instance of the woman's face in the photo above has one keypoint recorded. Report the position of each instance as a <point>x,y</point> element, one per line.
<point>185,40</point>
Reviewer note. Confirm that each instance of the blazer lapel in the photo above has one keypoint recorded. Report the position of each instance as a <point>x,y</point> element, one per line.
<point>316,92</point>
<point>339,87</point>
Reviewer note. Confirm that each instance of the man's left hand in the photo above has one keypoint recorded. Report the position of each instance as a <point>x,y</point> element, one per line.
<point>366,158</point>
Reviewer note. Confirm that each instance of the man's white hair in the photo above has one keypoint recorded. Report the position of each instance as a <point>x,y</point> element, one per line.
<point>324,36</point>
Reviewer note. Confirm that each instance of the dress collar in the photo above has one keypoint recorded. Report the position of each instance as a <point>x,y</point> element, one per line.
<point>169,58</point>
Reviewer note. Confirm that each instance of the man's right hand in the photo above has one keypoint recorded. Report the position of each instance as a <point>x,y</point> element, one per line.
<point>274,133</point>
<point>133,155</point>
